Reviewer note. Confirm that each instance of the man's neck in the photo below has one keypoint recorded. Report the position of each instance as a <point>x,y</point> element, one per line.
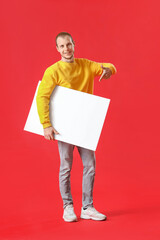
<point>70,60</point>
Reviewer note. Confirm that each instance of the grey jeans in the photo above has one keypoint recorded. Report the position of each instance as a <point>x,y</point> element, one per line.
<point>66,159</point>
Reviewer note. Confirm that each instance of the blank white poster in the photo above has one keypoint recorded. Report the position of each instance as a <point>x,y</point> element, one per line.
<point>77,116</point>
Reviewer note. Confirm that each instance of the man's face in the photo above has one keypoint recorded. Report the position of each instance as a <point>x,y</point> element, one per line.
<point>65,47</point>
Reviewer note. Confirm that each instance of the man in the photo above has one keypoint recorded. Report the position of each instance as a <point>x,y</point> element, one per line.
<point>77,74</point>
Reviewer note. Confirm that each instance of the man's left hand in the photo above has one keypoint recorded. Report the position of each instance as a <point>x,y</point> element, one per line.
<point>106,73</point>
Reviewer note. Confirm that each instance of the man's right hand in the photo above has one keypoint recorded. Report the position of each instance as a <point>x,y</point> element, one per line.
<point>49,133</point>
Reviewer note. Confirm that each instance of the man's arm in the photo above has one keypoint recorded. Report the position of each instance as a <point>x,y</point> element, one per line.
<point>43,98</point>
<point>105,70</point>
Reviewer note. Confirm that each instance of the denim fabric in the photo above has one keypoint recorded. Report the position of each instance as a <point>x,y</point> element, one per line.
<point>66,159</point>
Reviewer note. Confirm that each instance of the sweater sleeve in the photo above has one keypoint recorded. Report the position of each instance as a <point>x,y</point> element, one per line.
<point>45,89</point>
<point>97,70</point>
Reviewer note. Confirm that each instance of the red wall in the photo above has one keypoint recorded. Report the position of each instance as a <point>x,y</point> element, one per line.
<point>125,33</point>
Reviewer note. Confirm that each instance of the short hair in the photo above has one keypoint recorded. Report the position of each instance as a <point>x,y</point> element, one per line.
<point>63,34</point>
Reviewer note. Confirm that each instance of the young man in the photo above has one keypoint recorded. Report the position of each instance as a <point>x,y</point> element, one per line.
<point>78,74</point>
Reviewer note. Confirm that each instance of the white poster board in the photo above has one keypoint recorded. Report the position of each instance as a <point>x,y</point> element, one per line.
<point>77,116</point>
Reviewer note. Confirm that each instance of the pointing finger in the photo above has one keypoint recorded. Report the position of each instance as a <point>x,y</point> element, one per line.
<point>103,73</point>
<point>101,77</point>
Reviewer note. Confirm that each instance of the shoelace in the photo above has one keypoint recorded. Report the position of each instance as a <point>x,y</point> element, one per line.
<point>93,210</point>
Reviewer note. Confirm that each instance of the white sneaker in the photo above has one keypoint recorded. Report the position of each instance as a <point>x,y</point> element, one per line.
<point>92,213</point>
<point>69,214</point>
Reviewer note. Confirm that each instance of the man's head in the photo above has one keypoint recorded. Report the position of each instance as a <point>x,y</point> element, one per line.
<point>64,34</point>
<point>65,46</point>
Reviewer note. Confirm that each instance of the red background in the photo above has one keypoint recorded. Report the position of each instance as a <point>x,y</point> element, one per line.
<point>125,33</point>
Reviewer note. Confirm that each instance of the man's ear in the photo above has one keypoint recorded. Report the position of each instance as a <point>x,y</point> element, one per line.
<point>57,48</point>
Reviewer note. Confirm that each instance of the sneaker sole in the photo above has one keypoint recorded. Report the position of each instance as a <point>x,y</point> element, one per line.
<point>93,218</point>
<point>70,220</point>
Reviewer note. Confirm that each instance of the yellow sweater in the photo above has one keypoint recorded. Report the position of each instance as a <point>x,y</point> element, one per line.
<point>78,75</point>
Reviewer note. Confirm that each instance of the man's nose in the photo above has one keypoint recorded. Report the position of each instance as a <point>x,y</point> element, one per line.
<point>65,47</point>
